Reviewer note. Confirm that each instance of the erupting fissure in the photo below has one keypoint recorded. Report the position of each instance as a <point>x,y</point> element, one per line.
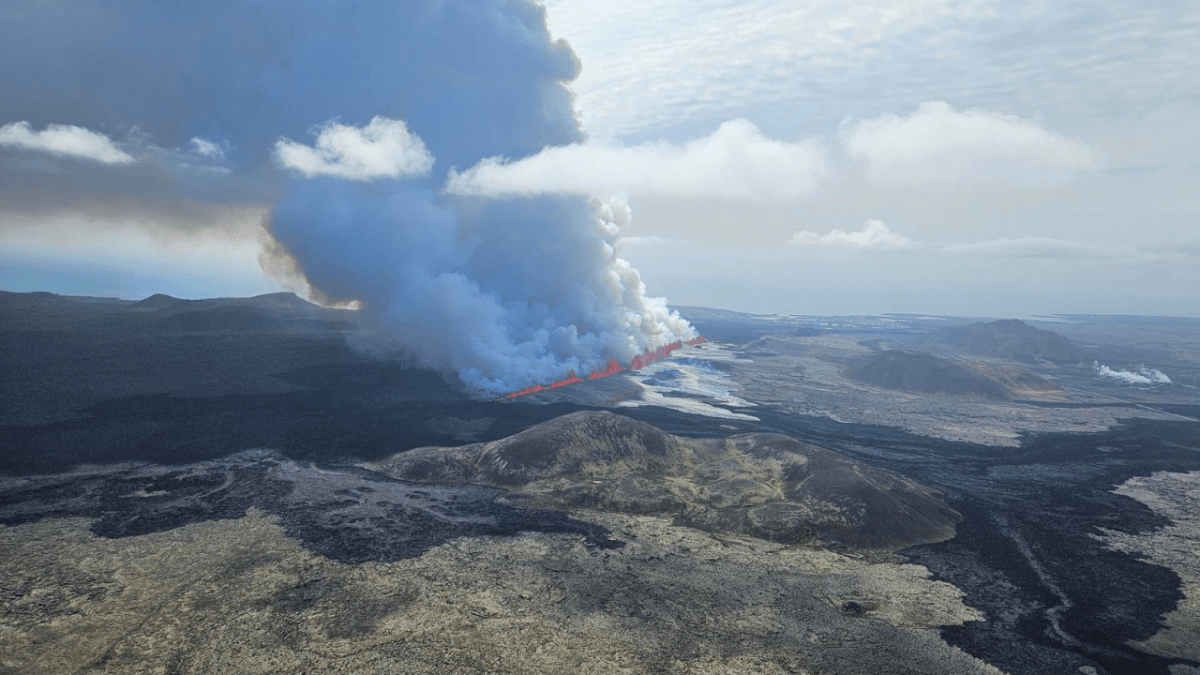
<point>639,362</point>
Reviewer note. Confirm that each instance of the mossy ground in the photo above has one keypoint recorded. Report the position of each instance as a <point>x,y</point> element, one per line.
<point>239,596</point>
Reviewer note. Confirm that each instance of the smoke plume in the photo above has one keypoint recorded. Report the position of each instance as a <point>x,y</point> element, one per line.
<point>345,120</point>
<point>1143,375</point>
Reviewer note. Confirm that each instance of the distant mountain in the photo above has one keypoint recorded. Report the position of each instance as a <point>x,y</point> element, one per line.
<point>278,302</point>
<point>925,373</point>
<point>157,301</point>
<point>269,312</point>
<point>8,298</point>
<point>1009,339</point>
<point>60,355</point>
<point>769,486</point>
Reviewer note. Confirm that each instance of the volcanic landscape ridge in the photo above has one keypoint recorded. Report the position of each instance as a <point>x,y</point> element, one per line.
<point>768,486</point>
<point>480,439</point>
<point>794,494</point>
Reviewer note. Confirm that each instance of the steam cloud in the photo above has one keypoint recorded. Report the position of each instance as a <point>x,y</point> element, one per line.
<point>505,290</point>
<point>1143,375</point>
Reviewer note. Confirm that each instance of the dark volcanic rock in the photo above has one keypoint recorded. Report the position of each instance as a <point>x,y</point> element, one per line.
<point>60,356</point>
<point>1010,339</point>
<point>764,485</point>
<point>239,319</point>
<point>345,514</point>
<point>920,372</point>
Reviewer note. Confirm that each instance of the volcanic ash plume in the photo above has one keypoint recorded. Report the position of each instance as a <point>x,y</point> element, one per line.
<point>343,121</point>
<point>507,292</point>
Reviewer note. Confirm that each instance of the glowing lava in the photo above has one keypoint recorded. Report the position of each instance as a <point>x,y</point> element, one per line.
<point>613,368</point>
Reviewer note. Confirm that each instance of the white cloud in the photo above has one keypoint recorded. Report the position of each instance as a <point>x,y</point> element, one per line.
<point>941,146</point>
<point>1143,375</point>
<point>651,240</point>
<point>383,149</point>
<point>734,162</point>
<point>782,57</point>
<point>207,149</point>
<point>874,234</point>
<point>787,64</point>
<point>1031,247</point>
<point>64,140</point>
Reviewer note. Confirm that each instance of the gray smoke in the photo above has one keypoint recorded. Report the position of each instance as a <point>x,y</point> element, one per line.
<point>347,118</point>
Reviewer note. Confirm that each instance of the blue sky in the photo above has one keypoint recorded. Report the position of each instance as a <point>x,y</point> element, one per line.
<point>829,157</point>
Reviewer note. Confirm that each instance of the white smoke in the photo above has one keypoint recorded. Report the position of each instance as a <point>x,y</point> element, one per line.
<point>1143,375</point>
<point>503,293</point>
<point>1155,375</point>
<point>506,287</point>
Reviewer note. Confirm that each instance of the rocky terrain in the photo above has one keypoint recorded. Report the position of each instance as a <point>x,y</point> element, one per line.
<point>762,485</point>
<point>60,355</point>
<point>1176,546</point>
<point>241,596</point>
<point>212,486</point>
<point>807,376</point>
<point>920,372</point>
<point>589,543</point>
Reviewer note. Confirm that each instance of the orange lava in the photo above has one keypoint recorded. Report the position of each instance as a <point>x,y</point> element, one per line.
<point>613,368</point>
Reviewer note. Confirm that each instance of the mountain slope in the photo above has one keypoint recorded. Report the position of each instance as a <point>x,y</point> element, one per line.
<point>1009,339</point>
<point>769,486</point>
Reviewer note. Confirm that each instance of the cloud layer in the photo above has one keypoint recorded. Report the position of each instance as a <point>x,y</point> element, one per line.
<point>64,140</point>
<point>779,59</point>
<point>938,145</point>
<point>935,147</point>
<point>1031,247</point>
<point>737,161</point>
<point>874,234</point>
<point>384,148</point>
<point>796,68</point>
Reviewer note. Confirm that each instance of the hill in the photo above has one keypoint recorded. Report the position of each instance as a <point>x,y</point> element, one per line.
<point>925,373</point>
<point>1010,339</point>
<point>764,485</point>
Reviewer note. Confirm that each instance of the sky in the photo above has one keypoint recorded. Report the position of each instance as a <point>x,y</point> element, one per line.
<point>972,157</point>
